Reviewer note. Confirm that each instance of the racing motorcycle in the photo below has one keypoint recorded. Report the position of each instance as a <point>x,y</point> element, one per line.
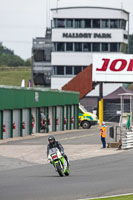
<point>59,162</point>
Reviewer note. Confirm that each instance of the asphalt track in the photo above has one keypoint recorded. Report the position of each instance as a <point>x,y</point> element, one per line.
<point>90,177</point>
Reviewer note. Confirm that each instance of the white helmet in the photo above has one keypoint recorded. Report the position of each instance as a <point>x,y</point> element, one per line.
<point>103,123</point>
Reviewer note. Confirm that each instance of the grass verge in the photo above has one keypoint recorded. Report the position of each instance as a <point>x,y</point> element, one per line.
<point>125,197</point>
<point>13,76</point>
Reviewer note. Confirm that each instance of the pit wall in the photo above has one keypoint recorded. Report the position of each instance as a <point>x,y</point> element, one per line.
<point>21,111</point>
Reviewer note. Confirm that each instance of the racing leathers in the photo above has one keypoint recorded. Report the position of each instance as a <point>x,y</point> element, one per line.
<point>55,144</point>
<point>58,145</point>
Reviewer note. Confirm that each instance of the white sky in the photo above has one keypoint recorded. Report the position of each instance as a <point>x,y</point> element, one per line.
<point>22,20</point>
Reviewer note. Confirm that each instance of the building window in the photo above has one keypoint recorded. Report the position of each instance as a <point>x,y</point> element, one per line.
<point>114,47</point>
<point>53,23</point>
<point>84,67</point>
<point>69,23</point>
<point>60,70</point>
<point>77,69</point>
<point>105,23</point>
<point>60,46</point>
<point>39,56</point>
<point>69,70</point>
<point>96,47</point>
<point>78,46</point>
<point>54,71</point>
<point>105,47</point>
<point>125,36</point>
<point>80,111</point>
<point>78,23</point>
<point>60,23</point>
<point>87,23</point>
<point>123,24</point>
<point>69,46</point>
<point>114,23</point>
<point>87,47</point>
<point>55,46</point>
<point>123,48</point>
<point>96,23</point>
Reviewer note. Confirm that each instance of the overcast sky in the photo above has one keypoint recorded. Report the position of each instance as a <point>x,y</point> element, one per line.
<point>22,20</point>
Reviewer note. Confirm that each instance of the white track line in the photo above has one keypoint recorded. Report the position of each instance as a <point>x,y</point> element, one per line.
<point>119,195</point>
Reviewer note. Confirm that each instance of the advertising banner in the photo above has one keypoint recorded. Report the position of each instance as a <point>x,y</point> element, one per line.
<point>113,68</point>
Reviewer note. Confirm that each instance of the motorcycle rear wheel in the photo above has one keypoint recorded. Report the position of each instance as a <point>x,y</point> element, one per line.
<point>66,173</point>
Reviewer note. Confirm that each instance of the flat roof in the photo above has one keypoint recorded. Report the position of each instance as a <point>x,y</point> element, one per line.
<point>63,8</point>
<point>126,94</point>
<point>36,89</point>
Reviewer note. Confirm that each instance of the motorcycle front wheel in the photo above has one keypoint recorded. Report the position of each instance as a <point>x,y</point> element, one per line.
<point>59,169</point>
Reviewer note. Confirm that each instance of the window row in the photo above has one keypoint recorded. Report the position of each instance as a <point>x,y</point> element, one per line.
<point>89,23</point>
<point>67,70</point>
<point>42,55</point>
<point>86,47</point>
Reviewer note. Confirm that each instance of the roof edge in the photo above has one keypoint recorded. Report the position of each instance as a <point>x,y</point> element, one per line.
<point>63,8</point>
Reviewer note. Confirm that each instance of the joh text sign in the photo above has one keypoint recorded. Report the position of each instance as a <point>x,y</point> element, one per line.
<point>113,68</point>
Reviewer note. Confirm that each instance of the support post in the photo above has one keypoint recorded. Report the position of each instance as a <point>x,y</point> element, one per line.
<point>39,119</point>
<point>11,129</point>
<point>77,110</point>
<point>100,103</point>
<point>74,115</point>
<point>47,118</point>
<point>70,125</point>
<point>21,121</point>
<point>30,121</point>
<point>62,118</point>
<point>55,118</point>
<point>1,135</point>
<point>67,117</point>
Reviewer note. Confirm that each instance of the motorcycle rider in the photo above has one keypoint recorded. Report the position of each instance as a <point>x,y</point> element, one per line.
<point>56,144</point>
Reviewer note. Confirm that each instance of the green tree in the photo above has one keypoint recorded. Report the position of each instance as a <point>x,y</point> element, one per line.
<point>8,58</point>
<point>4,50</point>
<point>28,62</point>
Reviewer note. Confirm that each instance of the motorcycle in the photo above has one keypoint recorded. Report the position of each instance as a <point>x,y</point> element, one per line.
<point>59,162</point>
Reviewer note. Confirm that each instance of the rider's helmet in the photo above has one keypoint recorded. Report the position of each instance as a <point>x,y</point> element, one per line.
<point>51,139</point>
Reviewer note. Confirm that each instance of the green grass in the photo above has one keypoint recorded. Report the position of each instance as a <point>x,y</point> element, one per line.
<point>13,76</point>
<point>128,197</point>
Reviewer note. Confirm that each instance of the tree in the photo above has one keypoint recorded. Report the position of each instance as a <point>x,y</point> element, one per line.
<point>28,62</point>
<point>8,58</point>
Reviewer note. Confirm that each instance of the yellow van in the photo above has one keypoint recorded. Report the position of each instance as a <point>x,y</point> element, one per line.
<point>86,119</point>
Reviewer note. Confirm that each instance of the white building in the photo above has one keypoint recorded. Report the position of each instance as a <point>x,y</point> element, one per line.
<point>78,32</point>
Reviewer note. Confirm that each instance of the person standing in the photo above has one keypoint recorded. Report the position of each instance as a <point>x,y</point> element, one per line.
<point>103,134</point>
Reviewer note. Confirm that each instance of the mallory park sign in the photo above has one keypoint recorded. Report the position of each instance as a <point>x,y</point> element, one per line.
<point>87,35</point>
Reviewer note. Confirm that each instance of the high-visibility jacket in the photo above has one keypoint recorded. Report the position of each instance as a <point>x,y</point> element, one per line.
<point>103,131</point>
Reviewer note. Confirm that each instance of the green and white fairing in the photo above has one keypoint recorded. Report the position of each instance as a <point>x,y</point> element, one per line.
<point>58,161</point>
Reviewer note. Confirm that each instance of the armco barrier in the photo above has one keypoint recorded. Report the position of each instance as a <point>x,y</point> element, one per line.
<point>127,140</point>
